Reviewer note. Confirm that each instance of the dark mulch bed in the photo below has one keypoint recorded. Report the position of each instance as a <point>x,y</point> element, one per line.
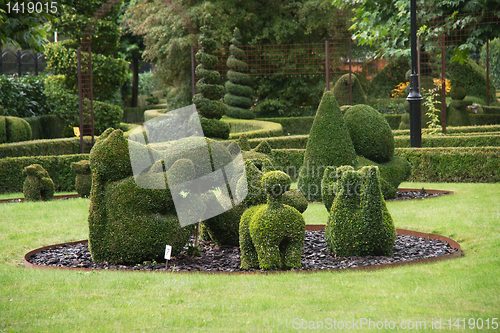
<point>214,258</point>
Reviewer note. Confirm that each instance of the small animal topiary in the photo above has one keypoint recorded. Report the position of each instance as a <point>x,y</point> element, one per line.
<point>341,90</point>
<point>359,223</point>
<point>38,185</point>
<point>272,235</point>
<point>83,181</point>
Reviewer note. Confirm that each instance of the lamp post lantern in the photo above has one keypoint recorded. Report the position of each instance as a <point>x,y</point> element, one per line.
<point>414,97</point>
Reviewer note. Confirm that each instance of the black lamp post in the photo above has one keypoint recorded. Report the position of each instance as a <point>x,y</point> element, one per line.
<point>414,97</point>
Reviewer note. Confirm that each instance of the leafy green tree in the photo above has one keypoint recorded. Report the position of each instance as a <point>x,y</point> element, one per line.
<point>386,23</point>
<point>24,29</point>
<point>109,72</point>
<point>168,41</point>
<point>494,60</point>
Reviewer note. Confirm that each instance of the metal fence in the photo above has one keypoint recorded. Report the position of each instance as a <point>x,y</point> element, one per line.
<point>22,62</point>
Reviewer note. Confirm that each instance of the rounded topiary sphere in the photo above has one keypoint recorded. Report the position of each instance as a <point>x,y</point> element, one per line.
<point>370,133</point>
<point>276,183</point>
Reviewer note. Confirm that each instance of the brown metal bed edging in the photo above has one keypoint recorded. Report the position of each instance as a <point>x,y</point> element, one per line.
<point>312,227</point>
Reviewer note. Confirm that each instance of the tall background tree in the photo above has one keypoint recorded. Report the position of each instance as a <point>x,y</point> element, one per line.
<point>260,22</point>
<point>23,29</point>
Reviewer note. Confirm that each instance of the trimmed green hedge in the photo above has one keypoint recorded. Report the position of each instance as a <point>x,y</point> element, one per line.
<point>491,109</point>
<point>47,126</point>
<point>451,141</point>
<point>475,165</point>
<point>282,142</point>
<point>394,120</point>
<point>452,130</point>
<point>484,119</point>
<point>293,125</point>
<point>134,115</point>
<point>65,146</point>
<point>478,165</point>
<point>253,128</point>
<point>58,167</point>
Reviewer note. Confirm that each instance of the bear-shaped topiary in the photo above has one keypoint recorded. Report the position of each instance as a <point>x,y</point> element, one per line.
<point>272,235</point>
<point>129,224</point>
<point>370,133</point>
<point>457,111</point>
<point>38,185</point>
<point>83,181</point>
<point>359,223</point>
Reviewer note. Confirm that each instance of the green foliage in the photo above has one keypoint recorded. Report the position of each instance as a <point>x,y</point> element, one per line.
<point>282,96</point>
<point>83,181</point>
<point>341,90</point>
<point>38,184</point>
<point>293,125</point>
<point>328,130</point>
<point>65,105</point>
<point>447,165</point>
<point>23,96</point>
<point>58,167</point>
<point>108,73</point>
<point>127,223</point>
<point>148,83</point>
<point>484,119</point>
<point>370,133</point>
<point>392,74</point>
<point>214,128</point>
<point>359,222</point>
<point>456,113</point>
<point>13,129</point>
<point>47,126</point>
<point>48,147</point>
<point>253,128</point>
<point>272,235</point>
<point>494,61</point>
<point>479,140</point>
<point>210,91</point>
<point>472,77</point>
<point>390,107</point>
<point>238,96</point>
<point>294,198</point>
<point>223,229</point>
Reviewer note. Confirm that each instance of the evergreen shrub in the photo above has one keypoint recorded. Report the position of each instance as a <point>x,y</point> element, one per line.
<point>341,90</point>
<point>83,181</point>
<point>38,185</point>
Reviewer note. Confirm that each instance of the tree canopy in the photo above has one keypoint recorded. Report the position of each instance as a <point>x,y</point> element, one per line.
<point>386,23</point>
<point>22,26</point>
<point>260,22</point>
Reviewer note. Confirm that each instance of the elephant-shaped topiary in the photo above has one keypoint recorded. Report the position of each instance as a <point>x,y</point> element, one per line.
<point>359,222</point>
<point>83,181</point>
<point>272,235</point>
<point>38,185</point>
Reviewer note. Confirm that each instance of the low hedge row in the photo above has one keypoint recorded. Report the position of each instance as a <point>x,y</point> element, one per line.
<point>476,165</point>
<point>484,119</point>
<point>302,125</point>
<point>134,115</point>
<point>453,130</point>
<point>491,109</point>
<point>58,167</point>
<point>49,147</point>
<point>253,128</point>
<point>48,126</point>
<point>451,141</point>
<point>282,142</point>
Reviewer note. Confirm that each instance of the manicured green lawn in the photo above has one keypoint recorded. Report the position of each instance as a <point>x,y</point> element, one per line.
<point>105,301</point>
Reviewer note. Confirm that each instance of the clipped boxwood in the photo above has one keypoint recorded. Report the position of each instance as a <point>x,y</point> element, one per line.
<point>134,115</point>
<point>83,181</point>
<point>14,129</point>
<point>370,133</point>
<point>47,126</point>
<point>441,165</point>
<point>455,130</point>
<point>359,223</point>
<point>272,235</point>
<point>49,147</point>
<point>293,125</point>
<point>484,119</point>
<point>37,185</point>
<point>253,128</point>
<point>341,90</point>
<point>483,140</point>
<point>58,167</point>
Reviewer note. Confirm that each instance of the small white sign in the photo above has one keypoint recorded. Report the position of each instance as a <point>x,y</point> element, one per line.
<point>168,252</point>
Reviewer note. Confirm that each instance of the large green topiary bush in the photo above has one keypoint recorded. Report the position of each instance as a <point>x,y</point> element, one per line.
<point>341,90</point>
<point>393,73</point>
<point>238,96</point>
<point>359,223</point>
<point>210,91</point>
<point>272,235</point>
<point>14,129</point>
<point>370,133</point>
<point>38,184</point>
<point>329,144</point>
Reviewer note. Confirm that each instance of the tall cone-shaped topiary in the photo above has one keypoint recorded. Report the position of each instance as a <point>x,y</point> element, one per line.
<point>239,92</point>
<point>208,100</point>
<point>329,144</point>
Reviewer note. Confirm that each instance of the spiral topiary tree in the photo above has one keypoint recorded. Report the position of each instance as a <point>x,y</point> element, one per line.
<point>239,92</point>
<point>210,92</point>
